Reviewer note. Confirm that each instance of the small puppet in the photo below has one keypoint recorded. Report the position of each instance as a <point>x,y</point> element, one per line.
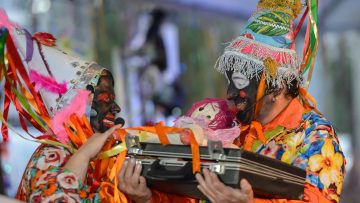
<point>209,119</point>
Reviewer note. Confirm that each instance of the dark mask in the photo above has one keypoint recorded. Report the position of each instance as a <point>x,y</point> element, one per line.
<point>104,107</point>
<point>242,92</point>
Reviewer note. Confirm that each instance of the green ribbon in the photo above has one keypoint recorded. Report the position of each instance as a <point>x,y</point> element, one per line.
<point>18,94</point>
<point>313,41</point>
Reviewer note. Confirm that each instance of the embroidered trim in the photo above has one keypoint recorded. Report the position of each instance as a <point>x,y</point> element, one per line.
<point>247,56</point>
<point>89,76</point>
<point>272,25</point>
<point>261,51</point>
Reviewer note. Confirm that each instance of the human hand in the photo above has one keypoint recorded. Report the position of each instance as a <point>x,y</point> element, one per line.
<point>217,192</point>
<point>132,184</point>
<point>79,161</point>
<point>94,144</point>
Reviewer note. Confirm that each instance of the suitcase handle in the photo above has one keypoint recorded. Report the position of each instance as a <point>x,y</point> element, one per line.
<point>159,172</point>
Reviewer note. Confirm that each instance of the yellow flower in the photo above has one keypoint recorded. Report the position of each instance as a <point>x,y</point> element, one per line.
<point>293,141</point>
<point>328,164</point>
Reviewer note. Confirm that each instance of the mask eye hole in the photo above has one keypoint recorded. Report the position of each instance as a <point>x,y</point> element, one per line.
<point>201,108</point>
<point>209,117</point>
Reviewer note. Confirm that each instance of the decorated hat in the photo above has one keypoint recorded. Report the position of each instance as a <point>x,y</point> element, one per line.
<point>55,74</point>
<point>44,84</point>
<point>266,44</point>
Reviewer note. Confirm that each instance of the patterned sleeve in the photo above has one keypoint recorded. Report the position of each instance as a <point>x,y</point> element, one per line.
<point>45,180</point>
<point>322,158</point>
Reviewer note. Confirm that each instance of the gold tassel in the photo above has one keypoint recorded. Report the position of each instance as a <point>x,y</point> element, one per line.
<point>291,7</point>
<point>271,66</point>
<point>297,8</point>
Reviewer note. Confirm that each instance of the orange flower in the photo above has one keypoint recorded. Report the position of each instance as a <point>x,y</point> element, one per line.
<point>51,190</point>
<point>82,194</point>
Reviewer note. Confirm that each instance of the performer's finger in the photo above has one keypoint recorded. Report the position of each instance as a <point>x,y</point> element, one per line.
<point>135,178</point>
<point>129,169</point>
<point>206,182</point>
<point>216,186</point>
<point>246,188</point>
<point>142,184</point>
<point>111,130</point>
<point>206,193</point>
<point>200,179</point>
<point>209,179</point>
<point>121,174</point>
<point>245,193</point>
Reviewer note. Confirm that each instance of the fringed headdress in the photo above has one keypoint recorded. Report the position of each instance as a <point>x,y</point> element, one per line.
<point>266,43</point>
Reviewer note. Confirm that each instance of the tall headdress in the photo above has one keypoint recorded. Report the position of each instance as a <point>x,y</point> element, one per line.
<point>265,49</point>
<point>41,81</point>
<point>266,43</point>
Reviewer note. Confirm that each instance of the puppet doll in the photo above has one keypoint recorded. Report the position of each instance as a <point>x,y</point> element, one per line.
<point>209,119</point>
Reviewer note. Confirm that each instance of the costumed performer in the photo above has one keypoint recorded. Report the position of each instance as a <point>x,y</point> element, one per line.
<point>50,88</point>
<point>274,111</point>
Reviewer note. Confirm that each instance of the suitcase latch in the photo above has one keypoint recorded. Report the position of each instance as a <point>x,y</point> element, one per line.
<point>218,168</point>
<point>133,144</point>
<point>216,150</point>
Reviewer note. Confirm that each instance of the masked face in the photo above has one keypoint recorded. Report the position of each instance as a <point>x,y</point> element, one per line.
<point>104,107</point>
<point>242,92</point>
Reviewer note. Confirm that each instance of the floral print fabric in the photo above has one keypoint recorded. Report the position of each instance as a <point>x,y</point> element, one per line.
<point>314,147</point>
<point>45,180</point>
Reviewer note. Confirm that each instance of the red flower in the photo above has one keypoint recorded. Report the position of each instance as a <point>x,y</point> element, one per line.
<point>67,181</point>
<point>248,35</point>
<point>45,38</point>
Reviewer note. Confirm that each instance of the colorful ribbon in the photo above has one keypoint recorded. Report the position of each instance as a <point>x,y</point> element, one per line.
<point>311,41</point>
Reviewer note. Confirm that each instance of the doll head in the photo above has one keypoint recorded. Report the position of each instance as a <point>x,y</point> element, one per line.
<point>213,112</point>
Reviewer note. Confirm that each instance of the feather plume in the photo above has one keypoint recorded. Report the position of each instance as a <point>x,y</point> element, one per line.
<point>77,106</point>
<point>48,83</point>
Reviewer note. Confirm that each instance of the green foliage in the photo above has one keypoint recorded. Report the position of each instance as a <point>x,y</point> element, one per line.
<point>273,17</point>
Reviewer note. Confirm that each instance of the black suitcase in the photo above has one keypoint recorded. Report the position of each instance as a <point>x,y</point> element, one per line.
<point>168,168</point>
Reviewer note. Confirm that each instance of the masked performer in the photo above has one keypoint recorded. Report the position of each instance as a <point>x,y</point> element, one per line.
<point>57,94</point>
<point>274,111</point>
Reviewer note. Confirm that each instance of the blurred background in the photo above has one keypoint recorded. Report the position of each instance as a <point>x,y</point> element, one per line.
<point>162,54</point>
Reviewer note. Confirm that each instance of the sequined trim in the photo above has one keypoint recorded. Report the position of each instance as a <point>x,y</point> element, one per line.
<point>87,76</point>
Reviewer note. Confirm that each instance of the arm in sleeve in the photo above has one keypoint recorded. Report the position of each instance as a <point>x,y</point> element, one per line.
<point>45,180</point>
<point>321,156</point>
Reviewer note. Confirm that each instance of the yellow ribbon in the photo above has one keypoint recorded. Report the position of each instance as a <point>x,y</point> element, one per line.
<point>121,147</point>
<point>315,28</point>
<point>42,141</point>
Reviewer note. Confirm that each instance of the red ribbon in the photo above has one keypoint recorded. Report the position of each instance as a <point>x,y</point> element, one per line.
<point>15,65</point>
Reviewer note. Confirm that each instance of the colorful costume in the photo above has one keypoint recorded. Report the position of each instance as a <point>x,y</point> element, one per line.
<point>49,89</point>
<point>305,139</point>
<point>299,135</point>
